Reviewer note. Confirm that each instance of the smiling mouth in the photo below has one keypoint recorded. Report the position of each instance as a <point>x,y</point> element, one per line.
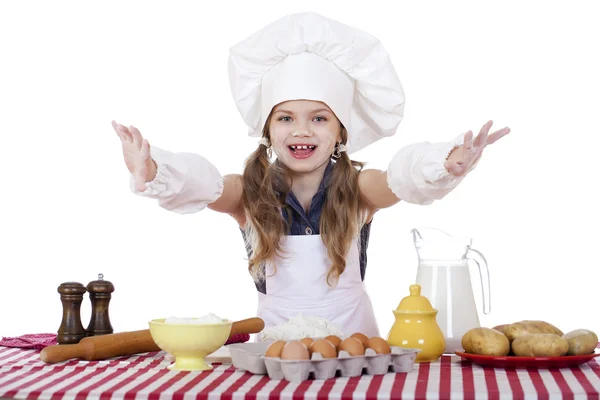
<point>302,151</point>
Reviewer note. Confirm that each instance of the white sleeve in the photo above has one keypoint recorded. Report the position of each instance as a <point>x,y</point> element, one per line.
<point>417,174</point>
<point>184,183</point>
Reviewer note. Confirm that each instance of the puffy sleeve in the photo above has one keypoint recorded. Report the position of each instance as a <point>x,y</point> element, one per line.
<point>184,183</point>
<point>416,174</point>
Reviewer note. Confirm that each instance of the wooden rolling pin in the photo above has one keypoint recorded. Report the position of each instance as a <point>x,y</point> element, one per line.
<point>125,343</point>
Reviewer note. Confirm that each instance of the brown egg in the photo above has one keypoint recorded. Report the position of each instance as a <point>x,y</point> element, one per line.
<point>362,337</point>
<point>295,350</point>
<point>334,340</point>
<point>307,342</point>
<point>353,346</point>
<point>324,347</point>
<point>379,345</point>
<point>274,350</point>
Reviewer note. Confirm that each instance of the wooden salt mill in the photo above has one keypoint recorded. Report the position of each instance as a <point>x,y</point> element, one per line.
<point>71,330</point>
<point>100,294</point>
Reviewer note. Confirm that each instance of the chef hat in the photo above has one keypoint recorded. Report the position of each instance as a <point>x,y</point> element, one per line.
<point>306,56</point>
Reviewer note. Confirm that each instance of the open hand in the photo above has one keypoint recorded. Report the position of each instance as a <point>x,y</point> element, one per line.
<point>462,158</point>
<point>136,152</point>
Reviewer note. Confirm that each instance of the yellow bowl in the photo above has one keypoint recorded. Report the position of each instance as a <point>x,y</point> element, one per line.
<point>189,343</point>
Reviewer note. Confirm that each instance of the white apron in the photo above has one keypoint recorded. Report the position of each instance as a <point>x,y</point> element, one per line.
<point>299,286</point>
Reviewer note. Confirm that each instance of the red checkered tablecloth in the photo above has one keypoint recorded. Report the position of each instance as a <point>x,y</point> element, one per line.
<point>145,376</point>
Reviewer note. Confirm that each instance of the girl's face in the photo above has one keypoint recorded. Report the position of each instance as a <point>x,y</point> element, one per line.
<point>303,134</point>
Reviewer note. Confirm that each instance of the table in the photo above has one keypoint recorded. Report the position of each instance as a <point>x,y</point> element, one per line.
<point>144,376</point>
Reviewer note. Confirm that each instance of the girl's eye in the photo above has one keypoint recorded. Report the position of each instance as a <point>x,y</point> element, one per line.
<point>286,119</point>
<point>320,119</point>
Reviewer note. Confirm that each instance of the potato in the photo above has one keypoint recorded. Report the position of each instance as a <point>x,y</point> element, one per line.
<point>530,327</point>
<point>517,329</point>
<point>540,345</point>
<point>545,326</point>
<point>581,341</point>
<point>485,341</point>
<point>501,328</point>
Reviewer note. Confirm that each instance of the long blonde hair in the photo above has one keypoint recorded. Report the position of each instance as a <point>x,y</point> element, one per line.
<point>265,188</point>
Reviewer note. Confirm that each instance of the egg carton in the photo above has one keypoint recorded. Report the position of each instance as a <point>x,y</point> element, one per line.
<point>251,357</point>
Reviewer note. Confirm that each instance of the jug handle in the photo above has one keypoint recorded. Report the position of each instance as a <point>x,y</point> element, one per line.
<point>486,290</point>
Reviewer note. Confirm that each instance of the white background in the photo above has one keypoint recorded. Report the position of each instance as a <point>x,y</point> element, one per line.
<point>67,213</point>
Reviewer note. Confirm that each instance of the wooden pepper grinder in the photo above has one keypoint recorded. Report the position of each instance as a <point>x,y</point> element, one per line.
<point>71,330</point>
<point>100,294</point>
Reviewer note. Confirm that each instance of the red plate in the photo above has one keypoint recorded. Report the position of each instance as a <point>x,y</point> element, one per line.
<point>528,362</point>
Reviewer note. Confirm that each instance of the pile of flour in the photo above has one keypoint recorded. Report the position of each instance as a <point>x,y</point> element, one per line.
<point>299,327</point>
<point>206,319</point>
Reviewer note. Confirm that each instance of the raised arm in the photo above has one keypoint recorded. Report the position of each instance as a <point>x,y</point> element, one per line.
<point>421,173</point>
<point>181,182</point>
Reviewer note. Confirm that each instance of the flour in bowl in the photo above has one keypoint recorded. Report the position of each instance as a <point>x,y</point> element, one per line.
<point>206,319</point>
<point>299,327</point>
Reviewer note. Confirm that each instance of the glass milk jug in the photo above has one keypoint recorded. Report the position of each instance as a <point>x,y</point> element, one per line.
<point>443,274</point>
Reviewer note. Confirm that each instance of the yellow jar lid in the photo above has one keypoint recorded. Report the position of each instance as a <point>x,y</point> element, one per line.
<point>415,302</point>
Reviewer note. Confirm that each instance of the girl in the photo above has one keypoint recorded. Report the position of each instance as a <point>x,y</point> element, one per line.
<point>313,90</point>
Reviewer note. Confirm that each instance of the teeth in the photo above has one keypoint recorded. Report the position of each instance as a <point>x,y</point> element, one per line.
<point>303,147</point>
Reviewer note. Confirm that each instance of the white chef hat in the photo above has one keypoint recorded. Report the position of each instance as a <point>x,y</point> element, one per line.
<point>306,56</point>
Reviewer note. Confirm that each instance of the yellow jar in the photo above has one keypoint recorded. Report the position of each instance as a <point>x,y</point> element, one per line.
<point>416,327</point>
